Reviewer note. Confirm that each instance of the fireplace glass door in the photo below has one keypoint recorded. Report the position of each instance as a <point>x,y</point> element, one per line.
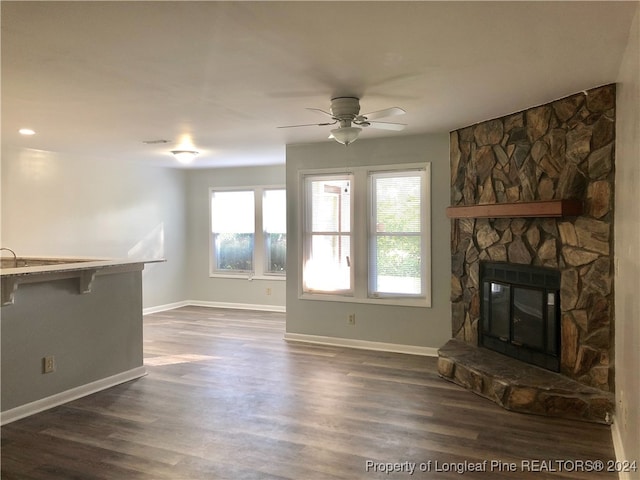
<point>528,319</point>
<point>519,312</point>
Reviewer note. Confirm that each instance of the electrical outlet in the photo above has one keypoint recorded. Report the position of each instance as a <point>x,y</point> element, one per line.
<point>49,364</point>
<point>268,291</point>
<point>352,319</point>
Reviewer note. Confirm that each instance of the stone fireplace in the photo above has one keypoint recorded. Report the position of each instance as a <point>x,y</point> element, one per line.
<point>534,189</point>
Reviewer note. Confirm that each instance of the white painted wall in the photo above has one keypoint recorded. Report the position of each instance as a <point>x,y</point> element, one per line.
<point>627,249</point>
<point>59,206</point>
<point>216,291</point>
<point>408,326</point>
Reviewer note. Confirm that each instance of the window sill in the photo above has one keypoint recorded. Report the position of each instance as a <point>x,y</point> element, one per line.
<point>394,301</point>
<point>244,276</point>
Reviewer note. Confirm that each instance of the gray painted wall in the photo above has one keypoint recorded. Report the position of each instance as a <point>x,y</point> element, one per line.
<point>627,247</point>
<point>201,287</point>
<point>92,336</point>
<point>60,206</point>
<point>424,327</point>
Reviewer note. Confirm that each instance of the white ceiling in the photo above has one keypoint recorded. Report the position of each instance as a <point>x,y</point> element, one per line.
<point>96,79</point>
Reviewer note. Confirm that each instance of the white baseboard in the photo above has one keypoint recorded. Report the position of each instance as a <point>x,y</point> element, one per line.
<point>239,306</point>
<point>165,307</point>
<point>69,395</point>
<point>201,303</point>
<point>362,344</point>
<point>618,448</point>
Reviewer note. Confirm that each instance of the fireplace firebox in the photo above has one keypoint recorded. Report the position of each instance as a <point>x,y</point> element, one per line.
<point>520,312</point>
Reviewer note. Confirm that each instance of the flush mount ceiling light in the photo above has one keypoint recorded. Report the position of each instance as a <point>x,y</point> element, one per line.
<point>185,156</point>
<point>26,131</point>
<point>345,135</point>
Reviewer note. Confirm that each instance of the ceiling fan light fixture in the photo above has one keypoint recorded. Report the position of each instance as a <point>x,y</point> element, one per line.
<point>346,135</point>
<point>185,156</point>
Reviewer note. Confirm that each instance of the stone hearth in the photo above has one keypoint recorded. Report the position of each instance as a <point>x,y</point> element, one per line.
<point>561,150</point>
<point>521,387</point>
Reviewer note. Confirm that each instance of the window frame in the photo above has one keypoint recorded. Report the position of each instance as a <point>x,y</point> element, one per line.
<point>259,271</point>
<point>373,233</point>
<point>361,228</point>
<point>307,229</point>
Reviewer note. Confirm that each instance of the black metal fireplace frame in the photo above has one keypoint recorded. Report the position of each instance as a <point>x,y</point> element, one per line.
<point>546,280</point>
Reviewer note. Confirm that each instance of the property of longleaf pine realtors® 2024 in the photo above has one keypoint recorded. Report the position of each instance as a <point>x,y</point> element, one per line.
<point>530,465</point>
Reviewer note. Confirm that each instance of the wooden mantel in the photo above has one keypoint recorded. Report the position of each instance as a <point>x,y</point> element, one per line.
<point>546,208</point>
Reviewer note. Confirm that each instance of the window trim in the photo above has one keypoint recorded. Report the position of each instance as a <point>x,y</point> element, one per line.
<point>306,227</point>
<point>372,233</point>
<point>360,236</point>
<point>259,258</point>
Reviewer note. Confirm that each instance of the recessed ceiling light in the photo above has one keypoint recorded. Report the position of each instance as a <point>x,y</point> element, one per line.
<point>26,131</point>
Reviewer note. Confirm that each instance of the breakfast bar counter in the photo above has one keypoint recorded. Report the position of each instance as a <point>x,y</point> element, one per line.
<point>69,327</point>
<point>22,270</point>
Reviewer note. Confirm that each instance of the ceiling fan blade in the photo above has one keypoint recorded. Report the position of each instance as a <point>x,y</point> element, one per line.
<point>387,112</point>
<point>320,111</point>
<point>309,125</point>
<point>387,125</point>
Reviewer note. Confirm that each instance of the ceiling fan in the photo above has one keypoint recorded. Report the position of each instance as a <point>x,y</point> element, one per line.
<point>345,111</point>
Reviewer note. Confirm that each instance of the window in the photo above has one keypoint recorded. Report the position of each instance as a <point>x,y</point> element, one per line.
<point>365,235</point>
<point>248,232</point>
<point>233,230</point>
<point>274,221</point>
<point>396,243</point>
<point>327,244</point>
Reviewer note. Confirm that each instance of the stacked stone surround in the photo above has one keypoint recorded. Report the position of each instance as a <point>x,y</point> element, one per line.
<point>561,150</point>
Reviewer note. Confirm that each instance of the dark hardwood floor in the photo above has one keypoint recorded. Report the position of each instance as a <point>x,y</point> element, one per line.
<point>227,398</point>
